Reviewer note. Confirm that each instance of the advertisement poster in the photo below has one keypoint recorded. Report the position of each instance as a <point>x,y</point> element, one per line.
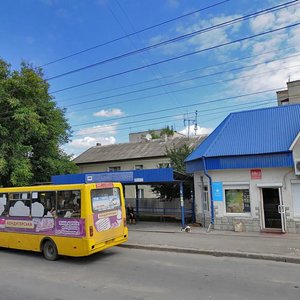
<point>108,219</point>
<point>217,191</point>
<point>46,226</point>
<point>237,201</point>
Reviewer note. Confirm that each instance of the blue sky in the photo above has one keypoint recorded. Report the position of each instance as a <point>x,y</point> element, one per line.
<point>106,111</point>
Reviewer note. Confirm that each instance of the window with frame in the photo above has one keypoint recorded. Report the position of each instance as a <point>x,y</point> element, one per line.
<point>237,200</point>
<point>205,198</point>
<point>138,167</point>
<point>164,165</point>
<point>43,204</point>
<point>68,204</point>
<point>4,204</point>
<point>114,169</point>
<point>19,204</point>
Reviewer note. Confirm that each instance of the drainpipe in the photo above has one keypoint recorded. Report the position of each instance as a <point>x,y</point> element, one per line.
<point>212,222</point>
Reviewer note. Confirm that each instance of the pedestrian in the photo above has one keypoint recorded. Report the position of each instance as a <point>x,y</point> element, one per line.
<point>131,214</point>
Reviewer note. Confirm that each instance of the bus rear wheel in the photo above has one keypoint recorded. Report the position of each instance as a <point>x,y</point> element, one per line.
<point>50,250</point>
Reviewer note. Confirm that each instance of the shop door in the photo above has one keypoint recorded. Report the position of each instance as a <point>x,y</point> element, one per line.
<point>273,211</point>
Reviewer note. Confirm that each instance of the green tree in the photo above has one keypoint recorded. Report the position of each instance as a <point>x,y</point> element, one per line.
<point>177,157</point>
<point>167,131</point>
<point>32,129</point>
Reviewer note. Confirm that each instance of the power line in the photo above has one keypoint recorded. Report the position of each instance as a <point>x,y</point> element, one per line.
<point>238,106</point>
<point>175,91</point>
<point>177,57</point>
<point>135,47</point>
<point>182,81</point>
<point>185,89</point>
<point>176,75</point>
<point>184,36</point>
<point>134,33</point>
<point>180,107</point>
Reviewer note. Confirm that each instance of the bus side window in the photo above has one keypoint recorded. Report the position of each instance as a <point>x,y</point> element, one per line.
<point>43,204</point>
<point>19,204</point>
<point>3,204</point>
<point>68,204</point>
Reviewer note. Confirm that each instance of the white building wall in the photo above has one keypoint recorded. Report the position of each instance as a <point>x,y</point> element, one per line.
<point>272,177</point>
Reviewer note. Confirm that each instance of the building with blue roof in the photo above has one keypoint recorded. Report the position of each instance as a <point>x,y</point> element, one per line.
<point>249,168</point>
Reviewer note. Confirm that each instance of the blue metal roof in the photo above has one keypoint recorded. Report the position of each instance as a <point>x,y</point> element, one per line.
<point>276,160</point>
<point>260,131</point>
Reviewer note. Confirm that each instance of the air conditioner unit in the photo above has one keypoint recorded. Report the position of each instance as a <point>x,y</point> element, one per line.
<point>297,166</point>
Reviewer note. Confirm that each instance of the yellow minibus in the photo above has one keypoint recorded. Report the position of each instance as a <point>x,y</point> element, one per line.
<point>66,219</point>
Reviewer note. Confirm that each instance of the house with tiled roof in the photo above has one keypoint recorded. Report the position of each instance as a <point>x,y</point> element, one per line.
<point>247,172</point>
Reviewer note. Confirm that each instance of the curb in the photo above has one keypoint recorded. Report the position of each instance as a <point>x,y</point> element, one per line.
<point>270,257</point>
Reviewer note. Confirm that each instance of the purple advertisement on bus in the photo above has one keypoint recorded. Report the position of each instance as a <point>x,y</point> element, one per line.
<point>46,226</point>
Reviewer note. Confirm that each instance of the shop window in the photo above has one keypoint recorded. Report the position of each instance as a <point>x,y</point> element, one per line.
<point>237,200</point>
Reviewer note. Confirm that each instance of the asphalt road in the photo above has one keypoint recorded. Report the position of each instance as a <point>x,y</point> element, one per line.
<point>137,274</point>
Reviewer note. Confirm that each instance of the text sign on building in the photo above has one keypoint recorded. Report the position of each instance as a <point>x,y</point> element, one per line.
<point>255,174</point>
<point>217,191</point>
<point>110,177</point>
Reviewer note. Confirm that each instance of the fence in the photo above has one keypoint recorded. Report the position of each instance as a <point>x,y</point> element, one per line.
<point>154,207</point>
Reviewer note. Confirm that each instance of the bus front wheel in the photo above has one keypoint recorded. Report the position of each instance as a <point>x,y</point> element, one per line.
<point>50,250</point>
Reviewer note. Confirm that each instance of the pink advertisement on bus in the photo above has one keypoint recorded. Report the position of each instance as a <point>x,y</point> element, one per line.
<point>46,226</point>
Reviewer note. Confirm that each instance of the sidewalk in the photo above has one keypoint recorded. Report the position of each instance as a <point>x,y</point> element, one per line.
<point>169,237</point>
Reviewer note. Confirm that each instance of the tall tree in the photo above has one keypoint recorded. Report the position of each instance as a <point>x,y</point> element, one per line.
<point>32,129</point>
<point>177,157</point>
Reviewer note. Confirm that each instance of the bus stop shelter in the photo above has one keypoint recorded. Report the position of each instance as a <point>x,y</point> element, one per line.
<point>132,177</point>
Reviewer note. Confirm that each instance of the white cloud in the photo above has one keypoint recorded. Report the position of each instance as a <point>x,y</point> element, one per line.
<point>276,19</point>
<point>262,23</point>
<point>200,130</point>
<point>109,113</point>
<point>202,40</point>
<point>173,3</point>
<point>272,75</point>
<point>89,137</point>
<point>99,130</point>
<point>87,142</point>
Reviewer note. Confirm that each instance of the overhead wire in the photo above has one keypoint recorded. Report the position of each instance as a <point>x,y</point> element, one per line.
<point>182,81</point>
<point>185,36</point>
<point>238,106</point>
<point>183,106</point>
<point>179,74</point>
<point>134,33</point>
<point>175,58</point>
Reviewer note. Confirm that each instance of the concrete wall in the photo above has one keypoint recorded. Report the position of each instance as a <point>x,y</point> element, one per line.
<point>294,91</point>
<point>291,95</point>
<point>128,165</point>
<point>281,177</point>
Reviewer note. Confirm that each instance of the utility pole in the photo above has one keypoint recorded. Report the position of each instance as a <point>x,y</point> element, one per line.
<point>196,122</point>
<point>188,121</point>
